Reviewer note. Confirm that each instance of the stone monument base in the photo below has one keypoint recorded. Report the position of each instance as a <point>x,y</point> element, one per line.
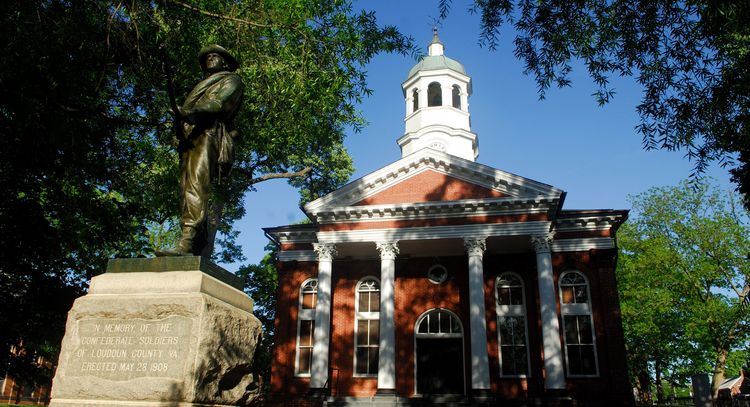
<point>159,332</point>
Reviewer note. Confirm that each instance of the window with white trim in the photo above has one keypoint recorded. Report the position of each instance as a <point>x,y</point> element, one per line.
<point>308,296</point>
<point>434,94</point>
<point>439,323</point>
<point>512,334</point>
<point>414,100</point>
<point>367,327</point>
<point>575,306</point>
<point>456,94</point>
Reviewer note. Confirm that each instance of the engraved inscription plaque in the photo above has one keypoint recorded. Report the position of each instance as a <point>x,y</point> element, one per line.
<point>124,349</point>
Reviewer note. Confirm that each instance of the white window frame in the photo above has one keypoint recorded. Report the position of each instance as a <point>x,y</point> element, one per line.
<point>364,316</point>
<point>504,311</point>
<point>577,309</point>
<point>418,335</point>
<point>304,315</point>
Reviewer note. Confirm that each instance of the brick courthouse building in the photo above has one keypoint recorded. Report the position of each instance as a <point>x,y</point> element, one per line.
<point>440,278</point>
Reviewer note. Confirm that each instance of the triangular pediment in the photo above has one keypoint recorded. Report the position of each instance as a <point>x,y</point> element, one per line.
<point>433,176</point>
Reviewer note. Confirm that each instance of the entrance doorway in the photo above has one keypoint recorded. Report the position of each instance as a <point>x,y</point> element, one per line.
<point>439,353</point>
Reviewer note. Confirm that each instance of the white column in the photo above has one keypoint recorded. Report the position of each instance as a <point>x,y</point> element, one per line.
<point>480,367</point>
<point>321,337</point>
<point>553,361</point>
<point>387,351</point>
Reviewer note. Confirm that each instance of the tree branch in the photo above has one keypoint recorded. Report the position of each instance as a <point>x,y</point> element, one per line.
<point>266,177</point>
<point>217,15</point>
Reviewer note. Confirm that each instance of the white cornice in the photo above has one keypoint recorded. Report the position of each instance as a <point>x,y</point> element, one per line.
<point>434,72</point>
<point>434,232</point>
<point>436,128</point>
<point>578,245</point>
<point>437,209</point>
<point>603,221</point>
<point>429,159</point>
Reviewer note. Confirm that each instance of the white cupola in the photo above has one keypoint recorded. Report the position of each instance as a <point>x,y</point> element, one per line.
<point>436,93</point>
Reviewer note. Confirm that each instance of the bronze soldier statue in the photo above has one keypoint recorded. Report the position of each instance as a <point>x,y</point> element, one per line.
<point>206,134</point>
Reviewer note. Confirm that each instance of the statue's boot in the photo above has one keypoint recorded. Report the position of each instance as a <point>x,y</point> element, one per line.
<point>184,247</point>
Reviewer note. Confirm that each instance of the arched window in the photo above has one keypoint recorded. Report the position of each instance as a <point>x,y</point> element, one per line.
<point>575,306</point>
<point>512,335</point>
<point>456,96</point>
<point>308,296</point>
<point>439,322</point>
<point>414,100</point>
<point>434,95</point>
<point>367,328</point>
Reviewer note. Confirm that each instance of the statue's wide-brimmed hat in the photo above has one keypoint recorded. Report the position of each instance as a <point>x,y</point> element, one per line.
<point>217,49</point>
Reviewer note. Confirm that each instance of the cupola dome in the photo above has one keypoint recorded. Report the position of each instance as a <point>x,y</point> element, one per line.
<point>436,93</point>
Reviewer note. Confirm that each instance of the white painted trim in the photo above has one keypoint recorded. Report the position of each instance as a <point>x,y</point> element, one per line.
<point>427,158</point>
<point>502,311</point>
<point>438,336</point>
<point>582,244</point>
<point>303,315</point>
<point>364,316</point>
<point>434,232</point>
<point>578,310</point>
<point>435,72</point>
<point>436,209</point>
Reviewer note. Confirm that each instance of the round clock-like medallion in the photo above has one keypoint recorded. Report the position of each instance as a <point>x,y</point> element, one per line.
<point>437,145</point>
<point>437,274</point>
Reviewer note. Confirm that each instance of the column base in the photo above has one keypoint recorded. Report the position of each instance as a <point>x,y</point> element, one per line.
<point>317,393</point>
<point>557,398</point>
<point>386,393</point>
<point>482,396</point>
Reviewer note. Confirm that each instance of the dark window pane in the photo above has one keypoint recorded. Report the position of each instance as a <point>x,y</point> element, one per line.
<point>362,332</point>
<point>423,326</point>
<point>588,363</point>
<point>455,326</point>
<point>364,302</point>
<point>375,302</point>
<point>433,320</point>
<point>516,296</point>
<point>584,329</point>
<point>373,361</point>
<point>362,359</point>
<point>305,333</point>
<point>574,360</point>
<point>445,323</point>
<point>521,363</point>
<point>503,295</point>
<point>305,359</point>
<point>508,360</point>
<point>581,294</point>
<point>374,332</point>
<point>571,329</point>
<point>415,101</point>
<point>456,97</point>
<point>434,95</point>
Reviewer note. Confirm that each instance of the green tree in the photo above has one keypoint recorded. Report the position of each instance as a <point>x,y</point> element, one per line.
<point>692,59</point>
<point>684,277</point>
<point>87,169</point>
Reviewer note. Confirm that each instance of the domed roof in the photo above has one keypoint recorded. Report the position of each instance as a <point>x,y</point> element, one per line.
<point>434,62</point>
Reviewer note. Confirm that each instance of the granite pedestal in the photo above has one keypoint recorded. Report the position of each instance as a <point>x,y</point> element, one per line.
<point>159,332</point>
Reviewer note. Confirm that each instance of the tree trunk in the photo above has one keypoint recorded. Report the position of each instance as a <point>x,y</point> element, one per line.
<point>721,360</point>
<point>659,389</point>
<point>644,386</point>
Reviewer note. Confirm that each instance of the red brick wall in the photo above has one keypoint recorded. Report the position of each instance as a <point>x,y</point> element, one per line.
<point>414,295</point>
<point>430,186</point>
<point>283,382</point>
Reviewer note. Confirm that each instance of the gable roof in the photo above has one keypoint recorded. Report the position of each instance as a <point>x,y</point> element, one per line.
<point>430,177</point>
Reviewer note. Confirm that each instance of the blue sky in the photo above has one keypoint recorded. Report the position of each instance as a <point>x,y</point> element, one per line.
<point>568,141</point>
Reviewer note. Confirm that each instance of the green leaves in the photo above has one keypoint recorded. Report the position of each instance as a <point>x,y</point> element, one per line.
<point>683,275</point>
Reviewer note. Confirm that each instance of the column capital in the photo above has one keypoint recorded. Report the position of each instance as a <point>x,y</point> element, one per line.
<point>388,250</point>
<point>325,251</point>
<point>475,246</point>
<point>543,243</point>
